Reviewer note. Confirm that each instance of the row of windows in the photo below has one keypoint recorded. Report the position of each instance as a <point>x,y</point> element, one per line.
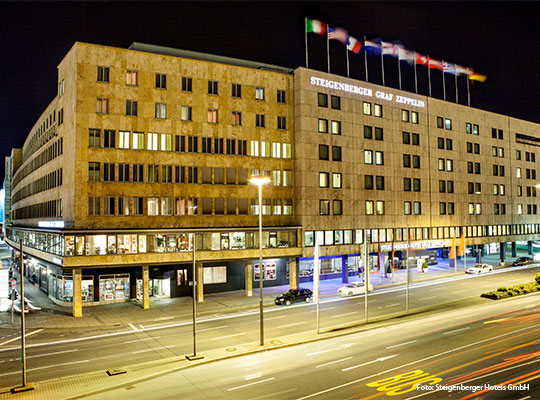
<point>50,153</point>
<point>324,152</point>
<point>324,207</point>
<point>324,180</point>
<point>46,182</point>
<point>335,101</point>
<point>182,206</point>
<point>132,79</point>
<point>38,139</point>
<point>529,173</point>
<point>48,209</point>
<point>528,156</point>
<point>335,126</point>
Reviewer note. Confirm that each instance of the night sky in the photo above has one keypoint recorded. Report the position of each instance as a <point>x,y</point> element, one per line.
<point>498,39</point>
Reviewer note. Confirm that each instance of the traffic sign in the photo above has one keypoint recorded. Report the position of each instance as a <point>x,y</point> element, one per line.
<point>13,283</point>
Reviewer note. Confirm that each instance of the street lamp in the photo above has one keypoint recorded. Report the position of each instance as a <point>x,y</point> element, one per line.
<point>260,181</point>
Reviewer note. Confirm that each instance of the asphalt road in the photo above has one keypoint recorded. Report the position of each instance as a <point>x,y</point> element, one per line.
<point>57,353</point>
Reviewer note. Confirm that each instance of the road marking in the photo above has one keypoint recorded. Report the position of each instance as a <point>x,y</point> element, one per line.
<point>456,330</point>
<point>369,362</point>
<point>250,384</point>
<point>285,326</point>
<point>133,327</point>
<point>18,338</point>
<point>228,336</point>
<point>155,348</point>
<point>325,308</point>
<point>212,329</point>
<point>401,344</point>
<point>140,340</point>
<point>333,362</point>
<point>392,305</point>
<point>47,366</point>
<point>253,376</point>
<point>278,317</point>
<point>163,318</point>
<point>343,315</point>
<point>428,298</point>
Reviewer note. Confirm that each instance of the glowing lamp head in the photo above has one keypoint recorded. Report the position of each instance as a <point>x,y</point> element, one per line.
<point>259,180</point>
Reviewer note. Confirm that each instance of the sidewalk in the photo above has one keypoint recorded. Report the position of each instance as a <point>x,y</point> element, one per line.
<point>180,308</point>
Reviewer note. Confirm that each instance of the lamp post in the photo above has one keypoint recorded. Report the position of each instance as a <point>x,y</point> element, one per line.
<point>260,181</point>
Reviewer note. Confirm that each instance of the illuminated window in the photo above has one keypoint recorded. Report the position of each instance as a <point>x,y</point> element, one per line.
<point>405,115</point>
<point>166,142</point>
<point>478,208</point>
<point>161,111</point>
<point>153,206</point>
<point>254,148</point>
<point>132,77</point>
<point>380,207</point>
<point>138,140</point>
<point>336,180</point>
<point>186,113</point>
<point>276,150</point>
<point>123,139</point>
<point>414,117</point>
<point>152,141</point>
<point>212,116</point>
<point>369,207</point>
<point>418,208</point>
<point>287,153</point>
<point>518,172</point>
<point>259,93</point>
<point>265,149</point>
<point>407,208</point>
<point>102,105</point>
<point>336,128</point>
<point>448,124</point>
<point>367,108</point>
<point>368,156</point>
<point>476,129</point>
<point>323,125</point>
<point>377,110</point>
<point>468,127</point>
<point>323,179</point>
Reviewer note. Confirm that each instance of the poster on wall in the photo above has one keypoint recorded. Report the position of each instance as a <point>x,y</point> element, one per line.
<point>269,272</point>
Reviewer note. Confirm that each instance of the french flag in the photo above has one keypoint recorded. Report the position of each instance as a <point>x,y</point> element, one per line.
<point>354,45</point>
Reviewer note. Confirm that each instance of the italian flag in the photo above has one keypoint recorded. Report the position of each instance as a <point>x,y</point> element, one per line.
<point>316,26</point>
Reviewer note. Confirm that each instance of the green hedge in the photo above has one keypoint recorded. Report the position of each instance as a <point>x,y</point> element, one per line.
<point>524,288</point>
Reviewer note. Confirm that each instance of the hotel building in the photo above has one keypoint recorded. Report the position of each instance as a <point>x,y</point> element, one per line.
<point>147,149</point>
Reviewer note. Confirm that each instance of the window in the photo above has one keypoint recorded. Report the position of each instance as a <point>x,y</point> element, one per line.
<point>418,208</point>
<point>336,153</point>
<point>276,150</point>
<point>449,165</point>
<point>379,134</point>
<point>193,175</point>
<point>367,108</point>
<point>450,208</point>
<point>377,110</point>
<point>450,186</point>
<point>109,205</point>
<point>336,128</point>
<point>93,172</point>
<point>179,174</point>
<point>94,205</point>
<point>337,206</point>
<point>281,96</point>
<point>153,205</point>
<point>368,132</point>
<point>501,152</point>
<point>161,81</point>
<point>500,134</point>
<point>494,151</point>
<point>166,174</point>
<point>323,152</point>
<point>476,129</point>
<point>254,148</point>
<point>417,185</point>
<point>138,205</point>
<point>477,168</point>
<point>476,148</point>
<point>468,127</point>
<point>138,172</point>
<point>414,117</point>
<point>103,74</point>
<point>336,180</point>
<point>259,120</point>
<point>416,139</point>
<point>132,77</point>
<point>123,172</point>
<point>108,172</point>
<point>94,138</point>
<point>323,125</point>
<point>407,161</point>
<point>153,174</point>
<point>440,122</point>
<point>407,184</point>
<point>231,146</point>
<point>369,207</point>
<point>212,116</point>
<point>265,149</point>
<point>380,207</point>
<point>152,141</point>
<point>440,144</point>
<point>379,182</point>
<point>478,208</point>
<point>442,208</point>
<point>379,158</point>
<point>138,140</point>
<point>242,147</point>
<point>324,207</point>
<point>416,161</point>
<point>61,87</point>
<point>193,144</point>
<point>322,100</point>
<point>131,108</point>
<point>407,208</point>
<point>323,179</point>
<point>213,87</point>
<point>259,93</point>
<point>161,110</point>
<point>123,139</point>
<point>219,146</point>
<point>186,113</point>
<point>109,138</point>
<point>166,206</point>
<point>281,122</point>
<point>448,144</point>
<point>236,118</point>
<point>187,84</point>
<point>60,116</point>
<point>448,124</point>
<point>368,182</point>
<point>123,206</point>
<point>336,102</point>
<point>236,90</point>
<point>518,172</point>
<point>102,106</point>
<point>406,136</point>
<point>405,115</point>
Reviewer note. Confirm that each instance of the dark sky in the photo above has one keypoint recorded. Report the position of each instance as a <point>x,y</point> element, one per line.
<point>499,39</point>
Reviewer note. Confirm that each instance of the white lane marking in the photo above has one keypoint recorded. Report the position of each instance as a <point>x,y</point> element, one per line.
<point>370,362</point>
<point>476,343</point>
<point>392,305</point>
<point>140,340</point>
<point>428,298</point>
<point>343,315</point>
<point>343,346</point>
<point>142,327</point>
<point>253,376</point>
<point>228,336</point>
<point>455,330</point>
<point>251,384</point>
<point>401,344</point>
<point>212,328</point>
<point>286,326</point>
<point>155,348</point>
<point>133,327</point>
<point>333,362</point>
<point>45,367</point>
<point>278,317</point>
<point>19,338</point>
<point>45,355</point>
<point>163,318</point>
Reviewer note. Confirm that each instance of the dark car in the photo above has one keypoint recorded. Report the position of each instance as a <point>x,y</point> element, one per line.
<point>522,261</point>
<point>294,295</point>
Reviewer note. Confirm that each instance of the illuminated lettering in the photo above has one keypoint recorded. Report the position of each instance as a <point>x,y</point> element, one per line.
<point>384,96</point>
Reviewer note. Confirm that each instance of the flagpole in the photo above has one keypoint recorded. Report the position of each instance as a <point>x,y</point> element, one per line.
<point>455,80</point>
<point>365,59</point>
<point>468,91</point>
<point>399,69</point>
<point>327,49</point>
<point>444,83</point>
<point>305,35</point>
<point>415,78</point>
<point>347,54</point>
<point>382,63</point>
<point>429,76</point>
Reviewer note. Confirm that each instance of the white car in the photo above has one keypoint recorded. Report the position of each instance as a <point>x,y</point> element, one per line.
<point>479,269</point>
<point>354,288</point>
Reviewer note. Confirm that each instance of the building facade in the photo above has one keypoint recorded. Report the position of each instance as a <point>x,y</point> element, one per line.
<point>146,150</point>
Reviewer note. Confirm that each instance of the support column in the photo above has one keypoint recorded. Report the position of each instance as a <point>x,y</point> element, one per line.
<point>382,272</point>
<point>77,292</point>
<point>293,273</point>
<point>529,247</point>
<point>502,251</point>
<point>248,276</point>
<point>344,274</point>
<point>146,291</point>
<point>513,249</point>
<point>200,285</point>
<point>478,253</point>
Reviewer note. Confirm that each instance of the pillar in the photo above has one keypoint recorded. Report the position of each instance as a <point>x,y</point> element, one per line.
<point>344,274</point>
<point>478,253</point>
<point>77,292</point>
<point>248,276</point>
<point>502,251</point>
<point>146,291</point>
<point>382,272</point>
<point>293,273</point>
<point>200,283</point>
<point>513,249</point>
<point>529,247</point>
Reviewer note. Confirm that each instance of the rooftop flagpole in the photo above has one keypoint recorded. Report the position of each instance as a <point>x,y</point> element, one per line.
<point>305,35</point>
<point>365,59</point>
<point>429,75</point>
<point>443,83</point>
<point>382,63</point>
<point>457,95</point>
<point>347,54</point>
<point>327,49</point>
<point>415,77</point>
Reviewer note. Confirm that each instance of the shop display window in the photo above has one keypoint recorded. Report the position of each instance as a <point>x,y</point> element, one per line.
<point>79,245</point>
<point>113,287</point>
<point>96,245</point>
<point>111,244</point>
<point>87,289</point>
<point>238,240</point>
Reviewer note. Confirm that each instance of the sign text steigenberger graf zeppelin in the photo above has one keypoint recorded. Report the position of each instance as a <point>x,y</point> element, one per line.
<point>345,87</point>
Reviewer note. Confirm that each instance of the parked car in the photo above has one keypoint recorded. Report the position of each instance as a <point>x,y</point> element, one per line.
<point>294,295</point>
<point>354,288</point>
<point>522,261</point>
<point>479,269</point>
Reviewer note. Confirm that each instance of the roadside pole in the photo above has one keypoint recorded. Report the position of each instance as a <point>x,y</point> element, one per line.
<point>407,273</point>
<point>194,356</point>
<point>316,284</point>
<point>366,273</point>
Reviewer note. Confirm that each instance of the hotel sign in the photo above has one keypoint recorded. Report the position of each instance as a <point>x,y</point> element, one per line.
<point>415,245</point>
<point>363,91</point>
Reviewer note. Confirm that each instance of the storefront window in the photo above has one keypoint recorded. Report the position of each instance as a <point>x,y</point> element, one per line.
<point>97,244</point>
<point>111,244</point>
<point>67,289</point>
<point>127,244</point>
<point>113,287</point>
<point>70,245</point>
<point>79,245</point>
<point>184,242</point>
<point>309,238</point>
<point>238,240</point>
<point>87,289</point>
<point>273,239</point>
<point>142,244</point>
<point>224,241</point>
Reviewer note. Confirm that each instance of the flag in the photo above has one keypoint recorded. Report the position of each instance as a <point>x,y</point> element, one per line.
<point>405,55</point>
<point>461,247</point>
<point>354,45</point>
<point>449,68</point>
<point>420,59</point>
<point>372,47</point>
<point>463,70</point>
<point>316,26</point>
<point>339,34</point>
<point>389,49</point>
<point>475,76</point>
<point>435,64</point>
